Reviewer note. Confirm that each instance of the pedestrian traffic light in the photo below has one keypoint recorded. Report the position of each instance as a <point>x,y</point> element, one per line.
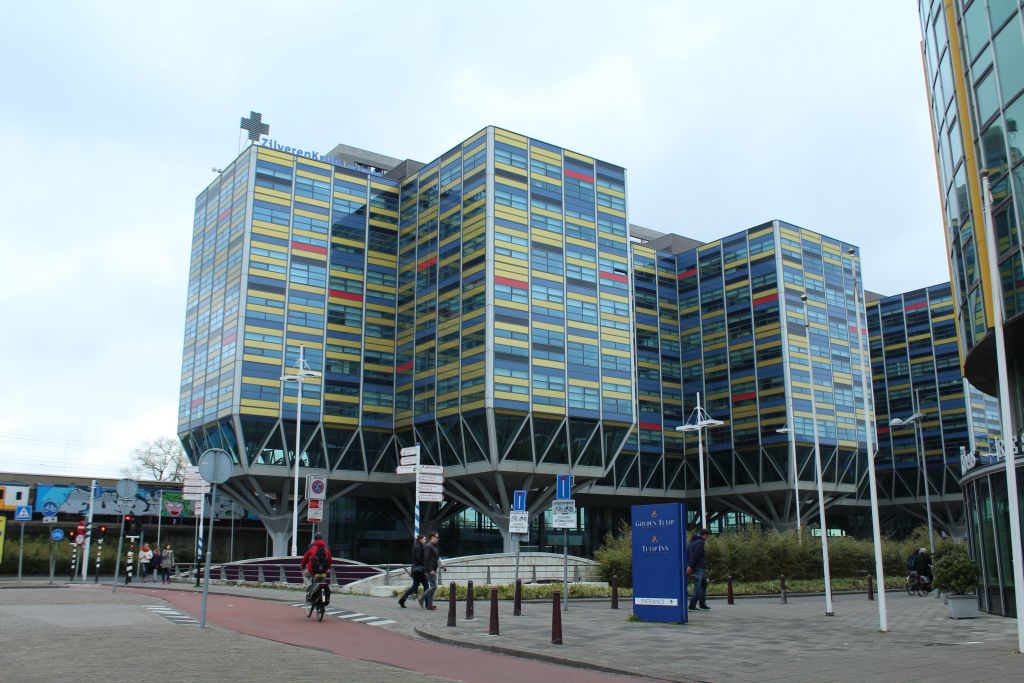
<point>103,531</point>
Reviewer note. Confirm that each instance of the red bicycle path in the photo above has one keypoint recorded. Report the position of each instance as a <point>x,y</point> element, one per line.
<point>285,624</point>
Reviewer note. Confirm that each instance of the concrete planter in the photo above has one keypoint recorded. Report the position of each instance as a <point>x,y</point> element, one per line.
<point>962,606</point>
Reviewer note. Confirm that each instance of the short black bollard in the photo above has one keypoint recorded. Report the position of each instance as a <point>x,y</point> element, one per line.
<point>615,592</point>
<point>452,593</point>
<point>469,600</point>
<point>556,618</point>
<point>871,588</point>
<point>494,613</point>
<point>728,590</point>
<point>517,605</point>
<point>782,588</point>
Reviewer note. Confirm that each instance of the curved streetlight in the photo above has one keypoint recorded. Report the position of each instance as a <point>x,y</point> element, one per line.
<point>302,373</point>
<point>701,420</point>
<point>817,467</point>
<point>915,421</point>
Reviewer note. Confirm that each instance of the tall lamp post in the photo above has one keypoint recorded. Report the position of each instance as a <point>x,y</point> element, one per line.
<point>871,447</point>
<point>817,468</point>
<point>791,439</point>
<point>915,421</point>
<point>302,373</point>
<point>701,420</point>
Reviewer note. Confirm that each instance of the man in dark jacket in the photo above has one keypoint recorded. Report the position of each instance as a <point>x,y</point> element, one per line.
<point>431,563</point>
<point>697,567</point>
<point>417,571</point>
<point>923,565</point>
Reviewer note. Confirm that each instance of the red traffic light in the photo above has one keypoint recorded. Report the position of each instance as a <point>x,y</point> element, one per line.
<point>127,519</point>
<point>103,530</point>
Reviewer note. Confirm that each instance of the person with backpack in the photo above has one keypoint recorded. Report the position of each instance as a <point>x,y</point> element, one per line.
<point>317,562</point>
<point>416,570</point>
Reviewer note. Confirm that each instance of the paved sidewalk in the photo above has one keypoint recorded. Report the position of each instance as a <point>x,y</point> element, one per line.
<point>756,639</point>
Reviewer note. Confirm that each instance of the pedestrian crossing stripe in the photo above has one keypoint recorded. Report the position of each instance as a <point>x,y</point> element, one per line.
<point>172,615</point>
<point>354,617</point>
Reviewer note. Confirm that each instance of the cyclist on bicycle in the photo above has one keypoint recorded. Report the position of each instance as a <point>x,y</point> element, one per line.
<point>316,563</point>
<point>923,566</point>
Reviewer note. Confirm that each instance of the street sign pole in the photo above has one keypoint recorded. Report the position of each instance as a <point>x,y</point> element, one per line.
<point>206,569</point>
<point>51,561</point>
<point>565,569</point>
<point>159,519</point>
<point>88,529</point>
<point>117,561</point>
<point>21,549</point>
<point>215,467</point>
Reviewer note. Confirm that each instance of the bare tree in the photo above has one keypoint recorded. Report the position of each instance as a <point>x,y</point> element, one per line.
<point>160,459</point>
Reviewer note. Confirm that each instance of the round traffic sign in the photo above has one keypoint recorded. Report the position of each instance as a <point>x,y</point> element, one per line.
<point>80,539</point>
<point>57,534</point>
<point>317,486</point>
<point>215,465</point>
<point>50,509</point>
<point>127,488</point>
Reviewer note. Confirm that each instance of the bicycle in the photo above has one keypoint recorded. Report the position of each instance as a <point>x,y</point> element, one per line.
<point>315,596</point>
<point>922,586</point>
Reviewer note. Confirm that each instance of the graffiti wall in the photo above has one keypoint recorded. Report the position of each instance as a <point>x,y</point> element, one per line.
<point>74,500</point>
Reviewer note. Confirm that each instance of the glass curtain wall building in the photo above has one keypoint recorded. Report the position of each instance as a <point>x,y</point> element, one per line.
<point>973,53</point>
<point>915,365</point>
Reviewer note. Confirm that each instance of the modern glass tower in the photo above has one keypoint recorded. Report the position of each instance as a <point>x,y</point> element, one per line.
<point>974,63</point>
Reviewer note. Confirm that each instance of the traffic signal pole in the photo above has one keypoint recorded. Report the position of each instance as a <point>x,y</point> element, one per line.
<point>88,530</point>
<point>117,562</point>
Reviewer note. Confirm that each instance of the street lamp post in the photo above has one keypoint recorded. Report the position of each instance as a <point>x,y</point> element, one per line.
<point>300,375</point>
<point>701,421</point>
<point>869,444</point>
<point>791,439</point>
<point>915,421</point>
<point>817,468</point>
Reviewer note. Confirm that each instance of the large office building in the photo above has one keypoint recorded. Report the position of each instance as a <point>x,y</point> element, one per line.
<point>495,307</point>
<point>915,366</point>
<point>973,53</point>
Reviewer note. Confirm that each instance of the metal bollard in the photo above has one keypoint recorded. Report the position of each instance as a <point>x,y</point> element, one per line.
<point>517,605</point>
<point>494,613</point>
<point>469,600</point>
<point>615,592</point>
<point>451,603</point>
<point>782,588</point>
<point>556,618</point>
<point>871,588</point>
<point>728,590</point>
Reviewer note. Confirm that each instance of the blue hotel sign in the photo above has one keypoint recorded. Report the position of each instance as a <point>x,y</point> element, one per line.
<point>659,548</point>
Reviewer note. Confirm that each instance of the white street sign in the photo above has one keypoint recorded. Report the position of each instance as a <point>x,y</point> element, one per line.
<point>430,479</point>
<point>430,497</point>
<point>405,469</point>
<point>563,514</point>
<point>431,469</point>
<point>316,486</point>
<point>409,460</point>
<point>192,496</point>
<point>430,488</point>
<point>49,520</point>
<point>519,522</point>
<point>195,489</point>
<point>411,450</point>
<point>315,511</point>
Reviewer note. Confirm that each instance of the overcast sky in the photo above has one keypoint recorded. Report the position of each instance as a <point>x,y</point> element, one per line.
<point>726,114</point>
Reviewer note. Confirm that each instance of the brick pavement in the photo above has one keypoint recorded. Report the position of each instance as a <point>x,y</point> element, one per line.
<point>754,640</point>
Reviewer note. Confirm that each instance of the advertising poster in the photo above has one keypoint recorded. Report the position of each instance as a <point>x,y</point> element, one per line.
<point>659,566</point>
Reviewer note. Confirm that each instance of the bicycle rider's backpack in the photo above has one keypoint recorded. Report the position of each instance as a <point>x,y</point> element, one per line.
<point>319,562</point>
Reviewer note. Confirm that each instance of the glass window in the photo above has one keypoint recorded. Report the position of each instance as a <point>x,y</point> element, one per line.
<point>976,28</point>
<point>1010,60</point>
<point>1000,9</point>
<point>946,75</point>
<point>988,101</point>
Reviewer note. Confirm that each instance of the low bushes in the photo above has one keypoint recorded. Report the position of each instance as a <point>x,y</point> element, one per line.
<point>752,554</point>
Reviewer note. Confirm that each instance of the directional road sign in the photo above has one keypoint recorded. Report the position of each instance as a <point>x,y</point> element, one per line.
<point>431,469</point>
<point>49,509</point>
<point>563,514</point>
<point>519,522</point>
<point>563,487</point>
<point>411,450</point>
<point>431,497</point>
<point>23,513</point>
<point>430,488</point>
<point>409,460</point>
<point>430,479</point>
<point>405,469</point>
<point>57,534</point>
<point>519,500</point>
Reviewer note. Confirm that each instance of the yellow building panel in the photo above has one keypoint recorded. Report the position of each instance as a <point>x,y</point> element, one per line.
<point>276,157</point>
<point>583,383</point>
<point>546,155</point>
<point>250,407</point>
<point>578,157</point>
<point>274,196</point>
<point>543,363</point>
<point>510,138</point>
<point>267,274</point>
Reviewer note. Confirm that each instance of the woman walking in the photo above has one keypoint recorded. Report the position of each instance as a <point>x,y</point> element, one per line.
<point>166,564</point>
<point>145,557</point>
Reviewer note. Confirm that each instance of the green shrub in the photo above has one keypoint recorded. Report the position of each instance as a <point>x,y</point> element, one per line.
<point>955,572</point>
<point>616,557</point>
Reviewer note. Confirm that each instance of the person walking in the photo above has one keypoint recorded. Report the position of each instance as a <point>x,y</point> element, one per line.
<point>416,570</point>
<point>154,566</point>
<point>431,564</point>
<point>697,567</point>
<point>145,557</point>
<point>166,564</point>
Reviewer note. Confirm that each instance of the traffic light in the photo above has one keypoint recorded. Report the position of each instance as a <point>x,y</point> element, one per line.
<point>128,521</point>
<point>103,531</point>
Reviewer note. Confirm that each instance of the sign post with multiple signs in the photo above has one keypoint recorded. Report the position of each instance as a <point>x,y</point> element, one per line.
<point>518,520</point>
<point>659,548</point>
<point>126,490</point>
<point>429,481</point>
<point>563,516</point>
<point>316,495</point>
